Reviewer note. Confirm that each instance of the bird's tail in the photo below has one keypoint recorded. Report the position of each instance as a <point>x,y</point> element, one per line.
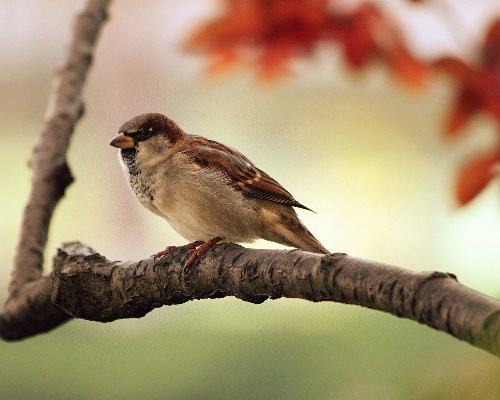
<point>290,231</point>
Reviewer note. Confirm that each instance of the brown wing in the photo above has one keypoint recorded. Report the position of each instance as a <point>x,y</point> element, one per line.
<point>242,173</point>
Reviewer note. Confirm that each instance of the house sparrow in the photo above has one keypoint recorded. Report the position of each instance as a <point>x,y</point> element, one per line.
<point>205,190</point>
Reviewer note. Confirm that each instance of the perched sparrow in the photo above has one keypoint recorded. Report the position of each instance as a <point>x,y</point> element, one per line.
<point>205,190</point>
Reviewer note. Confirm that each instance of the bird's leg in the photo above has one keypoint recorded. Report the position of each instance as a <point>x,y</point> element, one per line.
<point>169,249</point>
<point>201,249</point>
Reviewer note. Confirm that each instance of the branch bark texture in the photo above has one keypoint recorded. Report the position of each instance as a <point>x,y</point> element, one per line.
<point>86,285</point>
<point>51,174</point>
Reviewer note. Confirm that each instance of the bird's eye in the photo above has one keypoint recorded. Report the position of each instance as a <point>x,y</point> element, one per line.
<point>141,135</point>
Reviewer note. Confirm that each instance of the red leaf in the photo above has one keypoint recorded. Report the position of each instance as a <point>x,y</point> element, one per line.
<point>491,53</point>
<point>475,176</point>
<point>478,85</point>
<point>367,36</point>
<point>467,104</point>
<point>222,61</point>
<point>452,66</point>
<point>407,68</point>
<point>357,38</point>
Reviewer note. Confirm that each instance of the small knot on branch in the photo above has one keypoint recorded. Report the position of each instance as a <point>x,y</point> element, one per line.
<point>62,175</point>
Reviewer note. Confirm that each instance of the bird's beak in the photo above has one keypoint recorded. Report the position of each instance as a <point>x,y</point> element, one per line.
<point>122,142</point>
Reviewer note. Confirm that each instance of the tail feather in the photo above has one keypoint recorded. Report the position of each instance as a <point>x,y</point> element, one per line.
<point>288,230</point>
<point>313,244</point>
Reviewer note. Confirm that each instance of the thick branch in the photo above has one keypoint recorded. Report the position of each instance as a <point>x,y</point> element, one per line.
<point>86,285</point>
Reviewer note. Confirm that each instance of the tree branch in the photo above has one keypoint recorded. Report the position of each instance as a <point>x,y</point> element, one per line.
<point>51,174</point>
<point>86,285</point>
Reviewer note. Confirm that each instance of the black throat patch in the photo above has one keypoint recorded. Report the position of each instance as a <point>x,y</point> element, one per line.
<point>129,158</point>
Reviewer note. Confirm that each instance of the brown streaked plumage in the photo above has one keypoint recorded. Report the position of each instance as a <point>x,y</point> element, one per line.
<point>205,189</point>
<point>242,173</point>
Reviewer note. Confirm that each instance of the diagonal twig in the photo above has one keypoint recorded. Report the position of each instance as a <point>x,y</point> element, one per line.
<point>51,174</point>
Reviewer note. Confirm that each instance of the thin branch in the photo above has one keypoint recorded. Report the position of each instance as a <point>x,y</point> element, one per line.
<point>51,174</point>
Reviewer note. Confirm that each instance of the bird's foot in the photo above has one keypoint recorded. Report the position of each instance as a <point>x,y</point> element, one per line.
<point>169,249</point>
<point>200,249</point>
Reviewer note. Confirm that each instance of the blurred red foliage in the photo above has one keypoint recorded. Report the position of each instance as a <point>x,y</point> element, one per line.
<point>476,175</point>
<point>478,85</point>
<point>271,33</point>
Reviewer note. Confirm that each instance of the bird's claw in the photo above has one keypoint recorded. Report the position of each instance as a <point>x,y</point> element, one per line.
<point>200,249</point>
<point>169,249</point>
<point>196,249</point>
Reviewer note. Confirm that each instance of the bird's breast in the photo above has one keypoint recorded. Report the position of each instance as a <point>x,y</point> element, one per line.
<point>197,202</point>
<point>138,177</point>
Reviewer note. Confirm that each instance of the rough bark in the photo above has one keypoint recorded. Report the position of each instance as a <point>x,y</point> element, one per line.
<point>86,285</point>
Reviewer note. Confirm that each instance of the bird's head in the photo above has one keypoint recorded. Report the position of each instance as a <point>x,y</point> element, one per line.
<point>147,135</point>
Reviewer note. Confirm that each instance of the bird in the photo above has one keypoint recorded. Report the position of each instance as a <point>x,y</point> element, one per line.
<point>207,191</point>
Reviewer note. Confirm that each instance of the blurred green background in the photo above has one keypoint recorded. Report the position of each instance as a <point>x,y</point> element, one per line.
<point>364,153</point>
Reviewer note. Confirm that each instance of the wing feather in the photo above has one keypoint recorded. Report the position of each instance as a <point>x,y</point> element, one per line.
<point>242,173</point>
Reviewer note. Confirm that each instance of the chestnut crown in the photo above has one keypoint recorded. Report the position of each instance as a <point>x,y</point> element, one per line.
<point>145,126</point>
